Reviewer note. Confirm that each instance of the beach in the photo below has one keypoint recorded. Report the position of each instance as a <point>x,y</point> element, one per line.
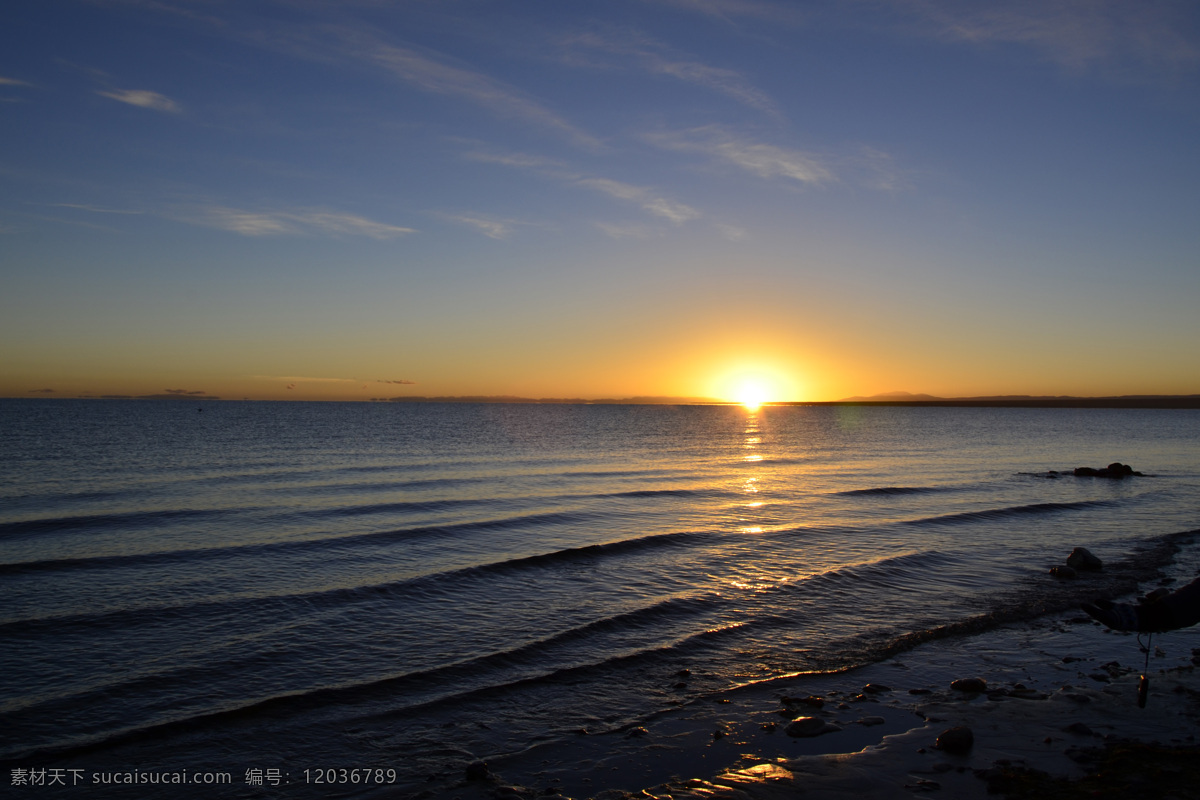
<point>1060,690</point>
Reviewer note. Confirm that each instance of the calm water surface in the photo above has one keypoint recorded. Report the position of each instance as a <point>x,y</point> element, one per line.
<point>272,584</point>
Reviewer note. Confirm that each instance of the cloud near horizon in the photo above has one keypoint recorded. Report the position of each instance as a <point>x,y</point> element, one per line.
<point>298,379</point>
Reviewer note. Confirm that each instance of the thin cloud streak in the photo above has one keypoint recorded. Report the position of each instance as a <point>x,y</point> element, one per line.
<point>764,160</point>
<point>728,9</point>
<point>627,231</point>
<point>296,222</point>
<point>645,197</point>
<point>657,59</point>
<point>1075,33</point>
<point>492,228</point>
<point>298,379</point>
<point>94,209</point>
<point>143,99</point>
<point>443,79</point>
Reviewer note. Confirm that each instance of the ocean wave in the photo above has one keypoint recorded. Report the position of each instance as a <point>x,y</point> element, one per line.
<point>447,683</point>
<point>892,490</point>
<point>440,583</point>
<point>104,522</point>
<point>967,517</point>
<point>314,544</point>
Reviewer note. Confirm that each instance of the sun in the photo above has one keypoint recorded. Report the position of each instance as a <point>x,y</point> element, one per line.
<point>752,393</point>
<point>754,385</point>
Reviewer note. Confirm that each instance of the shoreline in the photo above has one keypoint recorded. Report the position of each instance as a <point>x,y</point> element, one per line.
<point>1057,685</point>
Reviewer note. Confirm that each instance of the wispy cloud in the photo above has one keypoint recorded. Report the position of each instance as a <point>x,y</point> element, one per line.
<point>401,382</point>
<point>878,170</point>
<point>763,160</point>
<point>733,233</point>
<point>549,166</point>
<point>650,200</point>
<point>298,379</point>
<point>1075,33</point>
<point>12,82</point>
<point>658,59</point>
<point>440,77</point>
<point>627,230</point>
<point>730,9</point>
<point>291,222</point>
<point>143,99</point>
<point>94,209</point>
<point>644,197</point>
<point>492,227</point>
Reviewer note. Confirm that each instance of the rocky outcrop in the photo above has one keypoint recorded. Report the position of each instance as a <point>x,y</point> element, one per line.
<point>1113,470</point>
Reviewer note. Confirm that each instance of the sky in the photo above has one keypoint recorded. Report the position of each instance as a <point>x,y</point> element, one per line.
<point>599,199</point>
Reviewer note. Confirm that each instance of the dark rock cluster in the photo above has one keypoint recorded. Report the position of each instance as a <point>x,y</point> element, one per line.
<point>1113,470</point>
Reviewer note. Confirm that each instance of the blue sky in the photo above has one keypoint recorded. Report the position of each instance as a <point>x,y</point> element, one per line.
<point>651,197</point>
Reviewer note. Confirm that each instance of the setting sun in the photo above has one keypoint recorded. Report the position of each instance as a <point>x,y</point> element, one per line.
<point>752,394</point>
<point>755,385</point>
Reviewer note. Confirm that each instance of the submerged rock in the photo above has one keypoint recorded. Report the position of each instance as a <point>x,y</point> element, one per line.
<point>1066,573</point>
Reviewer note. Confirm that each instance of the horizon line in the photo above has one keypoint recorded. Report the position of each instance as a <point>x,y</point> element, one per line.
<point>890,399</point>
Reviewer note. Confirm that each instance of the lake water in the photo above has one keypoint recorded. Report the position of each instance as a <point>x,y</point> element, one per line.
<point>407,587</point>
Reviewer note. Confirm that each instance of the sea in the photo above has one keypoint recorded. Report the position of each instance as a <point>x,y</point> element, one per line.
<point>356,599</point>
